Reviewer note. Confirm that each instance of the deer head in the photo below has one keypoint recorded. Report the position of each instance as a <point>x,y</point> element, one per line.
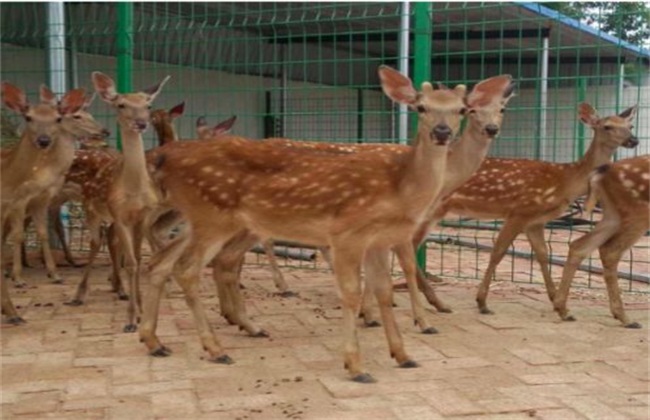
<point>81,124</point>
<point>44,122</point>
<point>133,109</point>
<point>486,104</point>
<point>612,131</point>
<point>439,111</point>
<point>204,132</point>
<point>163,122</point>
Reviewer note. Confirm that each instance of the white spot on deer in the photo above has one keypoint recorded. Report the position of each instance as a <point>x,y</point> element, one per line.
<point>188,161</point>
<point>635,194</point>
<point>214,188</point>
<point>550,199</point>
<point>191,181</point>
<point>550,190</point>
<point>218,174</point>
<point>206,198</point>
<point>223,196</point>
<point>641,187</point>
<point>201,183</point>
<point>207,169</point>
<point>231,180</point>
<point>645,176</point>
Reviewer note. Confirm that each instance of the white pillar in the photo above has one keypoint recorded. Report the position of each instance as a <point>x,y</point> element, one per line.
<point>543,100</point>
<point>55,41</point>
<point>403,67</point>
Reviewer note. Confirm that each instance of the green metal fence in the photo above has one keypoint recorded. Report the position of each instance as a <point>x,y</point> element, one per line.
<point>307,70</point>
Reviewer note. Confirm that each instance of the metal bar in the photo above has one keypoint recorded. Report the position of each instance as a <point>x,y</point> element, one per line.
<point>422,72</point>
<point>582,94</point>
<point>360,115</point>
<point>543,100</point>
<point>293,253</point>
<point>403,67</point>
<point>57,74</point>
<point>124,39</point>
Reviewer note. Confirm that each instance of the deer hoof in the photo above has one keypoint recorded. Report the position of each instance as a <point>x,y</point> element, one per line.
<point>74,302</point>
<point>430,330</point>
<point>129,328</point>
<point>486,311</point>
<point>364,378</point>
<point>569,318</point>
<point>407,364</point>
<point>445,310</point>
<point>372,324</point>
<point>223,360</point>
<point>15,320</point>
<point>122,296</point>
<point>161,351</point>
<point>20,284</point>
<point>260,334</point>
<point>633,325</point>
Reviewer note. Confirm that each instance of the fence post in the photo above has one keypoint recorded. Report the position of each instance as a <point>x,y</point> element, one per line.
<point>582,94</point>
<point>421,73</point>
<point>124,38</point>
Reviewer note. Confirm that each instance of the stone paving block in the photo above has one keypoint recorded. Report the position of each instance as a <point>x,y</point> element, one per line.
<point>453,403</point>
<point>591,407</point>
<point>615,378</point>
<point>132,408</point>
<point>556,378</point>
<point>254,401</point>
<point>87,388</point>
<point>174,403</point>
<point>148,388</point>
<point>558,414</point>
<point>36,403</point>
<point>637,412</point>
<point>533,356</point>
<point>416,412</point>
<point>89,403</point>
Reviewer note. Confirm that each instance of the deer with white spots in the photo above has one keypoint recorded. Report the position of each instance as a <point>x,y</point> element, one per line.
<point>353,203</point>
<point>528,193</point>
<point>485,109</point>
<point>122,193</point>
<point>623,191</point>
<point>32,168</point>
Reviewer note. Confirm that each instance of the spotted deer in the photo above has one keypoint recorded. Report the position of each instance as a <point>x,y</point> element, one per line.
<point>205,132</point>
<point>528,193</point>
<point>84,127</point>
<point>485,109</point>
<point>622,189</point>
<point>122,193</point>
<point>353,203</point>
<point>34,165</point>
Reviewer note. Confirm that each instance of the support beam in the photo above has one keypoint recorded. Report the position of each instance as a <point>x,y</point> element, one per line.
<point>403,67</point>
<point>124,40</point>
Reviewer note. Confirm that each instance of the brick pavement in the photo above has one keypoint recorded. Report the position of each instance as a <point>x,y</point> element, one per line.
<point>74,362</point>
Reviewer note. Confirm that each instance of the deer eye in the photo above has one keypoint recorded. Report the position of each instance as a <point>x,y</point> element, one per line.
<point>148,106</point>
<point>463,111</point>
<point>472,111</point>
<point>122,106</point>
<point>28,118</point>
<point>502,110</point>
<point>421,109</point>
<point>608,127</point>
<point>77,117</point>
<point>58,120</point>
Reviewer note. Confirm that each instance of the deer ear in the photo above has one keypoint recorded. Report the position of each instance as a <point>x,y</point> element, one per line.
<point>14,98</point>
<point>72,101</point>
<point>397,86</point>
<point>177,110</point>
<point>224,126</point>
<point>104,86</point>
<point>201,121</point>
<point>588,114</point>
<point>153,91</point>
<point>629,113</point>
<point>47,96</point>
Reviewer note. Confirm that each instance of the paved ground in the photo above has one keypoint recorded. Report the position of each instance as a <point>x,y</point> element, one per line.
<point>520,363</point>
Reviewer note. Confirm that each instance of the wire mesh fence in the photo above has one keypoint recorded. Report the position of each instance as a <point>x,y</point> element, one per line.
<point>307,70</point>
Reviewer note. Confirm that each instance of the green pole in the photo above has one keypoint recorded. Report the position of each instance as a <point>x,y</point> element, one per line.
<point>421,73</point>
<point>124,38</point>
<point>582,94</point>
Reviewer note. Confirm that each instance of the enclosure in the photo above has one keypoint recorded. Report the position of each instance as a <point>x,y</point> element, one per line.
<point>307,70</point>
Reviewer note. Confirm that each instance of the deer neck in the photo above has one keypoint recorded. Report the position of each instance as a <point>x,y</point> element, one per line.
<point>423,171</point>
<point>133,174</point>
<point>599,153</point>
<point>465,157</point>
<point>166,133</point>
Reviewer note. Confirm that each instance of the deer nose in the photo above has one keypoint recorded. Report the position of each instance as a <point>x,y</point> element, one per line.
<point>441,132</point>
<point>492,129</point>
<point>105,132</point>
<point>43,141</point>
<point>633,141</point>
<point>141,124</point>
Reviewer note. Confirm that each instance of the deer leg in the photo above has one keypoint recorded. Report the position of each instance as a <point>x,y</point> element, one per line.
<point>535,235</point>
<point>278,278</point>
<point>126,236</point>
<point>580,249</point>
<point>368,313</point>
<point>94,229</point>
<point>160,268</point>
<point>115,253</point>
<point>39,217</point>
<point>54,213</point>
<point>17,237</point>
<point>8,308</point>
<point>422,276</point>
<point>610,255</point>
<point>347,267</point>
<point>508,233</point>
<point>377,267</point>
<point>406,256</point>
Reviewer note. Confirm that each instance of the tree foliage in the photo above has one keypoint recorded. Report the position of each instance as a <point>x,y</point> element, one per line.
<point>629,21</point>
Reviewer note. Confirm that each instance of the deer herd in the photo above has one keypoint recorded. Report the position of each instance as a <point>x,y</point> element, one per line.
<point>222,194</point>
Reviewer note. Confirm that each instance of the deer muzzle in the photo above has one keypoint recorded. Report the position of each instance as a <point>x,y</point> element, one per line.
<point>43,141</point>
<point>631,142</point>
<point>105,132</point>
<point>441,133</point>
<point>492,130</point>
<point>140,125</point>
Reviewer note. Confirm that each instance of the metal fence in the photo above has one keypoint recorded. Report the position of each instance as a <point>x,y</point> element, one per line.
<point>307,70</point>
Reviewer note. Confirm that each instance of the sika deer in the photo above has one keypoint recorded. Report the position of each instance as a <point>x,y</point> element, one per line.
<point>529,193</point>
<point>622,189</point>
<point>485,107</point>
<point>353,203</point>
<point>41,157</point>
<point>123,193</point>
